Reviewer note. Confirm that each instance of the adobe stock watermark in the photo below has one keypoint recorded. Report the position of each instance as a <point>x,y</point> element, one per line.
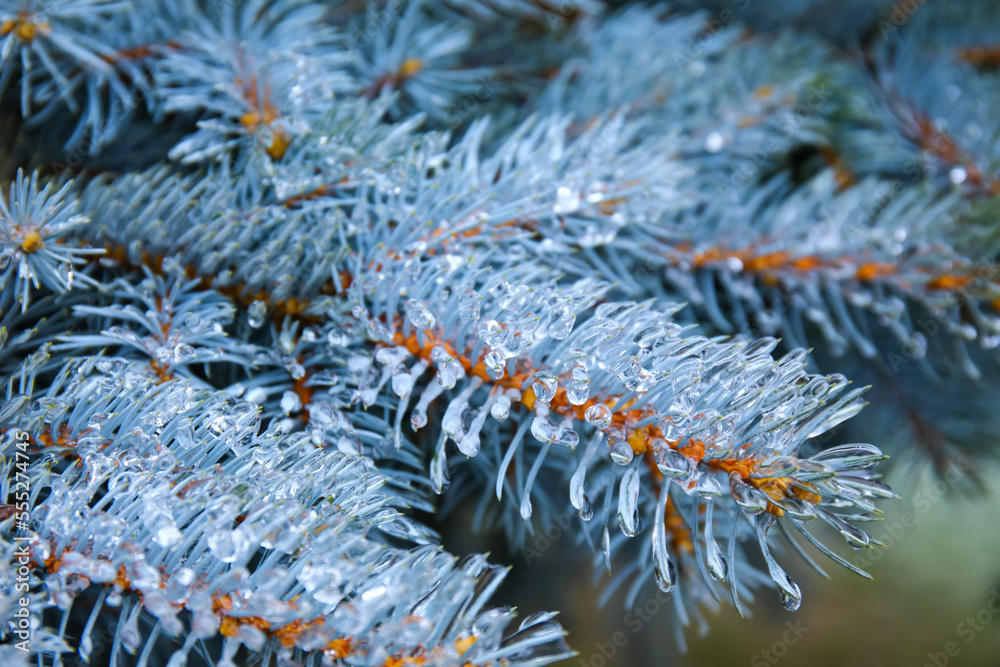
<point>559,13</point>
<point>635,620</point>
<point>898,16</point>
<point>20,625</point>
<point>812,101</point>
<point>375,22</point>
<point>779,649</point>
<point>938,320</point>
<point>469,105</point>
<point>923,500</point>
<point>689,60</point>
<point>967,630</point>
<point>544,539</point>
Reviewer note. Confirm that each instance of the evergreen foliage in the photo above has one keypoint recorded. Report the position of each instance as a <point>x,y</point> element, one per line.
<point>279,279</point>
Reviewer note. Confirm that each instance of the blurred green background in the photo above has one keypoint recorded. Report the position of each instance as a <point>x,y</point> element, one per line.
<point>941,570</point>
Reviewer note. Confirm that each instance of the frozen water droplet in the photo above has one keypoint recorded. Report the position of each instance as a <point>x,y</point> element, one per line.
<point>628,503</point>
<point>704,484</point>
<point>130,635</point>
<point>225,545</point>
<point>183,353</point>
<point>418,418</point>
<point>562,326</point>
<point>452,424</point>
<point>568,437</point>
<point>666,574</point>
<point>420,317</point>
<point>402,384</point>
<point>449,370</point>
<point>257,395</point>
<point>491,332</point>
<point>500,408</point>
<point>290,402</point>
<point>526,507</point>
<point>544,384</point>
<point>185,434</point>
<point>542,429</point>
<point>495,363</point>
<point>468,305</point>
<point>86,647</point>
<point>599,415</point>
<point>567,201</point>
<point>545,431</point>
<point>673,464</point>
<point>791,602</point>
<point>256,314</point>
<point>621,453</point>
<point>578,386</point>
<point>323,582</point>
<point>167,535</point>
<point>718,567</point>
<point>350,444</point>
<point>750,499</point>
<point>634,377</point>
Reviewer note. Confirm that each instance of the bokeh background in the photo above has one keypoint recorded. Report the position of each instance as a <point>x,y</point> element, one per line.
<point>942,569</point>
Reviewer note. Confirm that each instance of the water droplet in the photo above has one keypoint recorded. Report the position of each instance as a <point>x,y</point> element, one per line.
<point>130,635</point>
<point>500,408</point>
<point>628,503</point>
<point>185,434</point>
<point>335,338</point>
<point>673,464</point>
<point>225,544</point>
<point>666,574</point>
<point>418,418</point>
<point>718,567</point>
<point>578,386</point>
<point>468,305</point>
<point>167,535</point>
<point>543,430</point>
<point>561,327</point>
<point>402,384</point>
<point>495,363</point>
<point>750,499</point>
<point>323,582</point>
<point>449,370</point>
<point>703,484</point>
<point>567,201</point>
<point>290,402</point>
<point>256,314</point>
<point>420,317</point>
<point>544,384</point>
<point>791,602</point>
<point>599,415</point>
<point>526,507</point>
<point>183,353</point>
<point>621,453</point>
